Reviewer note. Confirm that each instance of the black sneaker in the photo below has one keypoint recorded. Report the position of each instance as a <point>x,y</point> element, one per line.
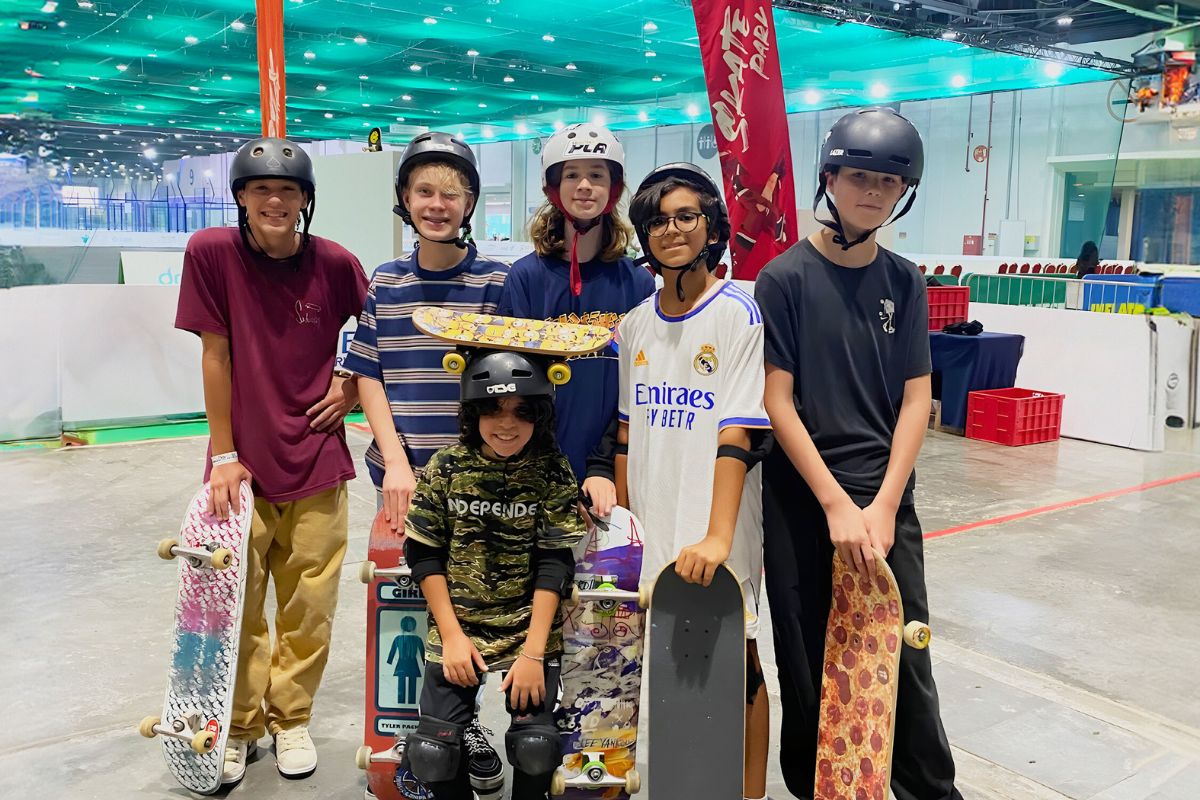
<point>484,765</point>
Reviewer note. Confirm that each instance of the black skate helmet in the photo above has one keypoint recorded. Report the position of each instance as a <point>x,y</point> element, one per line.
<point>279,159</point>
<point>437,147</point>
<point>503,373</point>
<point>877,139</point>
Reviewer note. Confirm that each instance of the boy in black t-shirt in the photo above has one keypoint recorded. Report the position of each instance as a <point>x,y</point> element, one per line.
<point>848,394</point>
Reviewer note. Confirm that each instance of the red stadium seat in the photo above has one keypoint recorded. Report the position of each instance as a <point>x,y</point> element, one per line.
<point>956,270</point>
<point>1024,269</point>
<point>1037,269</point>
<point>939,269</point>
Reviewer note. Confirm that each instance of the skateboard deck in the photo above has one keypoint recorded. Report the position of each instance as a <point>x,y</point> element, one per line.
<point>696,657</point>
<point>858,689</point>
<point>490,331</point>
<point>194,723</point>
<point>602,664</point>
<point>397,624</point>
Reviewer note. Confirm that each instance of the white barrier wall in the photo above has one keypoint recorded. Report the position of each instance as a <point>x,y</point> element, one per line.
<point>29,395</point>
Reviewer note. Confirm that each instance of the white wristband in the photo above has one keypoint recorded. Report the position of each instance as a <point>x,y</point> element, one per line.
<point>225,458</point>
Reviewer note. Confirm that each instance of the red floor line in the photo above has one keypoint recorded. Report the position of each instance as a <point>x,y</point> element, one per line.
<point>1033,512</point>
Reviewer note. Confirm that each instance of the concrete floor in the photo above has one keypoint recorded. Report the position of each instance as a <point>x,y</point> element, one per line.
<point>1065,641</point>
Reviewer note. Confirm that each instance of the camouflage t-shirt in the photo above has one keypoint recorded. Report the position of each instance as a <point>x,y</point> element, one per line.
<point>490,516</point>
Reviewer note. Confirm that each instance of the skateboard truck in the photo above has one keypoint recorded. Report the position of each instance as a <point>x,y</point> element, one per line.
<point>455,362</point>
<point>185,728</point>
<point>369,572</point>
<point>594,775</point>
<point>208,557</point>
<point>364,757</point>
<point>607,597</point>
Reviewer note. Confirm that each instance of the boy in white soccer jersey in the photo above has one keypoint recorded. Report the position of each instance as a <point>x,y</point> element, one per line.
<point>691,393</point>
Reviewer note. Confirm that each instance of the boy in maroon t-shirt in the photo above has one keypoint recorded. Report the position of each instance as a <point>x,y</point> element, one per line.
<point>268,301</point>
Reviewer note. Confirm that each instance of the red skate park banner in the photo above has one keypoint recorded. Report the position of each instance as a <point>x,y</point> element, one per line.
<point>745,95</point>
<point>271,84</point>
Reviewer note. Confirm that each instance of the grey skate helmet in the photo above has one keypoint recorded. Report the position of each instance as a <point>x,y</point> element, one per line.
<point>504,373</point>
<point>430,148</point>
<point>273,158</point>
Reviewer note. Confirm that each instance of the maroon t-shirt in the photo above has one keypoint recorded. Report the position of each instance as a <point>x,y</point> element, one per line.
<point>282,321</point>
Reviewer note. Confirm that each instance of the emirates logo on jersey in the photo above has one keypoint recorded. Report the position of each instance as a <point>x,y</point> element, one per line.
<point>705,362</point>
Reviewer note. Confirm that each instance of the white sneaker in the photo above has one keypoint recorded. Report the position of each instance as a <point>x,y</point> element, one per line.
<point>295,753</point>
<point>237,753</point>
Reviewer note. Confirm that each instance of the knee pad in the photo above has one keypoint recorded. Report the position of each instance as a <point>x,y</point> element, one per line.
<point>533,747</point>
<point>434,749</point>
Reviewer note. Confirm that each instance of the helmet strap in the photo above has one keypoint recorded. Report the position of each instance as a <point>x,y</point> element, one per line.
<point>839,232</point>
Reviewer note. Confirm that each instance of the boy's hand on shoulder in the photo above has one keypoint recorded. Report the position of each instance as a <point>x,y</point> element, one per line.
<point>848,533</point>
<point>399,483</point>
<point>697,563</point>
<point>526,683</point>
<point>339,401</point>
<point>881,525</point>
<point>461,661</point>
<point>223,485</point>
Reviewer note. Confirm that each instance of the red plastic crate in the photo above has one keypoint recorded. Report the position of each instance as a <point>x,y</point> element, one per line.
<point>947,305</point>
<point>1014,416</point>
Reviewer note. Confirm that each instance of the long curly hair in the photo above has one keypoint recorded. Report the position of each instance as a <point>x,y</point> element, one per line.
<point>539,410</point>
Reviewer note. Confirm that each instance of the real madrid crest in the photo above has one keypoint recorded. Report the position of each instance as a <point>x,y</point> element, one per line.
<point>705,361</point>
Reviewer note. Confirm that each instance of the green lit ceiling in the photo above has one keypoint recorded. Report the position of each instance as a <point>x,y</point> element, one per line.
<point>490,69</point>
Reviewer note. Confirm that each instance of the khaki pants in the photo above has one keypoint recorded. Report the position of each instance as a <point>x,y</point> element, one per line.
<point>301,545</point>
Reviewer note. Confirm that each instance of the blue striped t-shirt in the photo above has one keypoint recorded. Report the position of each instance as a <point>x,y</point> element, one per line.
<point>386,347</point>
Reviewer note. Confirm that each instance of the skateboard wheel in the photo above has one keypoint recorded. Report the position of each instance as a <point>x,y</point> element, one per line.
<point>146,728</point>
<point>558,783</point>
<point>220,558</point>
<point>644,596</point>
<point>917,635</point>
<point>362,758</point>
<point>203,742</point>
<point>558,373</point>
<point>573,600</point>
<point>633,781</point>
<point>366,573</point>
<point>454,363</point>
<point>165,547</point>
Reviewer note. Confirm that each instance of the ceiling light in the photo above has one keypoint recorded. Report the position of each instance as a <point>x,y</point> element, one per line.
<point>249,110</point>
<point>600,119</point>
<point>572,67</point>
<point>297,119</point>
<point>62,23</point>
<point>547,38</point>
<point>958,81</point>
<point>199,147</point>
<point>692,110</point>
<point>406,97</point>
<point>399,119</point>
<point>366,105</point>
<point>534,97</point>
<point>509,79</point>
<point>226,77</point>
<point>191,39</point>
<point>558,125</point>
<point>522,128</point>
<point>321,87</point>
<point>895,6</point>
<point>85,4</point>
<point>363,78</point>
<point>949,36</point>
<point>151,55</point>
<point>150,153</point>
<point>878,90</point>
<point>194,88</point>
<point>415,67</point>
<point>590,90</point>
<point>812,97</point>
<point>1065,21</point>
<point>488,133</point>
<point>140,107</point>
<point>651,54</point>
<point>122,67</point>
<point>483,105</point>
<point>328,115</point>
<point>650,27</point>
<point>104,136</point>
<point>238,25</point>
<point>1053,69</point>
<point>430,21</point>
<point>310,55</point>
<point>657,79</point>
<point>643,116</point>
<point>472,53</point>
<point>366,124</point>
<point>360,39</point>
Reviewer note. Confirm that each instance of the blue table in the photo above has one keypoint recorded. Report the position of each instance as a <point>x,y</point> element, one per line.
<point>963,364</point>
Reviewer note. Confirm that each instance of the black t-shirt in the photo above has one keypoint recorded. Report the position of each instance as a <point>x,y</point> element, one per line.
<point>851,337</point>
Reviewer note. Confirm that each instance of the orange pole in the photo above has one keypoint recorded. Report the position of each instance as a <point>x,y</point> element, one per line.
<point>271,84</point>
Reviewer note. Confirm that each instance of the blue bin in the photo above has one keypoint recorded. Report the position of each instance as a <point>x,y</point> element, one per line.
<point>1122,294</point>
<point>1182,293</point>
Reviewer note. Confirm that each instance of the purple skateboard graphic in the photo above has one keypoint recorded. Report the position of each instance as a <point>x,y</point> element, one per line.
<point>602,664</point>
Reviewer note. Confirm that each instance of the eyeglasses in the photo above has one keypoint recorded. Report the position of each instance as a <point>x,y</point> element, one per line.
<point>685,222</point>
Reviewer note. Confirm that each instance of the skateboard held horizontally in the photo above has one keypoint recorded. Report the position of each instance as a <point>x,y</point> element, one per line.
<point>468,331</point>
<point>696,656</point>
<point>194,723</point>
<point>857,718</point>
<point>602,662</point>
<point>397,624</point>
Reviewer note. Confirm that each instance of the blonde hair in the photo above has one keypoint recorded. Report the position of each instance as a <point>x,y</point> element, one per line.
<point>547,232</point>
<point>443,176</point>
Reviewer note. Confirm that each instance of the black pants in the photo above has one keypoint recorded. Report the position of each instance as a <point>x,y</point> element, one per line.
<point>445,701</point>
<point>798,555</point>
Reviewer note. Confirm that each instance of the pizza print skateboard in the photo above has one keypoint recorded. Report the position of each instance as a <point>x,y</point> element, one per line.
<point>858,689</point>
<point>696,657</point>
<point>470,331</point>
<point>194,723</point>
<point>397,624</point>
<point>602,664</point>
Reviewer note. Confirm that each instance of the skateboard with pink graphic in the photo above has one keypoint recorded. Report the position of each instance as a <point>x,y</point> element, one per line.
<point>194,723</point>
<point>602,664</point>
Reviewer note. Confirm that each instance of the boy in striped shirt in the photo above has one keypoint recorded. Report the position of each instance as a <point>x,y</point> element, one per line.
<point>411,403</point>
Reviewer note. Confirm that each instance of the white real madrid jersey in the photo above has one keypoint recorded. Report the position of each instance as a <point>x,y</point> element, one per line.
<point>683,380</point>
